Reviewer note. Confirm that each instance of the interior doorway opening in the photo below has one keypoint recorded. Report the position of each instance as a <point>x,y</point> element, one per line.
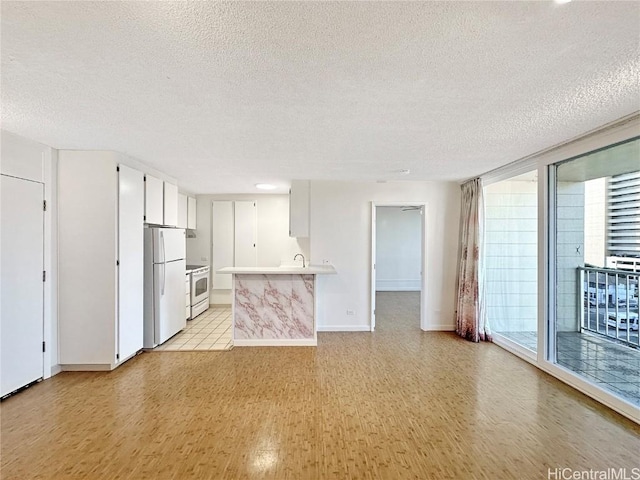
<point>398,265</point>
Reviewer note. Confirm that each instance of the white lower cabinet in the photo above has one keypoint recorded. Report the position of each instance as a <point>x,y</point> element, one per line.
<point>100,255</point>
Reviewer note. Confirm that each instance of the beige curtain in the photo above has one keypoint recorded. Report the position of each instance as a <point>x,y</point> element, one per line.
<point>471,320</point>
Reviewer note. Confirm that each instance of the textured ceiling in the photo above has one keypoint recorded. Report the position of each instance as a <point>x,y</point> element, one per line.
<point>224,95</point>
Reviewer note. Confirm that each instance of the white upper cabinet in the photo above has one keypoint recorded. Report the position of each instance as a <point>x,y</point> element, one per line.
<point>182,211</point>
<point>191,213</point>
<point>153,200</point>
<point>170,205</point>
<point>299,208</point>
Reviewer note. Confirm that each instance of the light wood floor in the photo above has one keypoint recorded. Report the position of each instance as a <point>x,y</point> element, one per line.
<point>395,404</point>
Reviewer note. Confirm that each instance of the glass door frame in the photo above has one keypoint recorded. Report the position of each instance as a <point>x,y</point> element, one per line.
<point>623,130</point>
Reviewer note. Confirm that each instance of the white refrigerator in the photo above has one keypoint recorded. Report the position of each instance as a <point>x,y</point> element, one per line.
<point>164,271</point>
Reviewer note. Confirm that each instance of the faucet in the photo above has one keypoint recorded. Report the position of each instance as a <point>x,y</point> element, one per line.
<point>304,265</point>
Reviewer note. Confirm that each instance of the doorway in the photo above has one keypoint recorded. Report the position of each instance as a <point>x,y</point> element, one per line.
<point>398,264</point>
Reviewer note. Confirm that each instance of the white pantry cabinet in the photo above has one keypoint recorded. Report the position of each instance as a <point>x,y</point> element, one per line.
<point>170,205</point>
<point>245,230</point>
<point>182,211</point>
<point>153,200</point>
<point>299,197</point>
<point>222,239</point>
<point>191,213</point>
<point>101,205</point>
<point>21,283</point>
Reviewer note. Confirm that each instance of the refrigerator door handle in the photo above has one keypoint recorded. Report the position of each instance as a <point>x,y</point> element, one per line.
<point>164,278</point>
<point>162,250</point>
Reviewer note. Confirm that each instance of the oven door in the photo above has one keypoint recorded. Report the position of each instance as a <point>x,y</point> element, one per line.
<point>199,287</point>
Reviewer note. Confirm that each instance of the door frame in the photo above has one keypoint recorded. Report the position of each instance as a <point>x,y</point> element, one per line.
<point>423,257</point>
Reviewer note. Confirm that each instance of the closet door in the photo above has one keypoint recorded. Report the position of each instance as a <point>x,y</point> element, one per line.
<point>245,234</point>
<point>131,262</point>
<point>22,286</point>
<point>222,243</point>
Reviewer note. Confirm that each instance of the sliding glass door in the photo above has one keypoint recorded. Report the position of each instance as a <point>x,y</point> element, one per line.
<point>511,259</point>
<point>596,262</point>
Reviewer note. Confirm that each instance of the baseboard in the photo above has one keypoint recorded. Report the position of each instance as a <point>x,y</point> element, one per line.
<point>275,342</point>
<point>88,367</point>
<point>344,328</point>
<point>55,369</point>
<point>442,327</point>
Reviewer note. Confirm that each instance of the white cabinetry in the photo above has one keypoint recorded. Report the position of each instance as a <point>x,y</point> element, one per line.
<point>153,200</point>
<point>299,208</point>
<point>182,211</point>
<point>100,269</point>
<point>21,320</point>
<point>160,202</point>
<point>234,232</point>
<point>222,242</point>
<point>245,223</point>
<point>170,205</point>
<point>191,213</point>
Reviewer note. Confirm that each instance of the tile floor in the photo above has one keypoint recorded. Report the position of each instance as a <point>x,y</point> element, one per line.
<point>528,340</point>
<point>210,330</point>
<point>608,365</point>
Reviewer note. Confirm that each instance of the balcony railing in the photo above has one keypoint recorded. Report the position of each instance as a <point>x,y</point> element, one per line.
<point>610,303</point>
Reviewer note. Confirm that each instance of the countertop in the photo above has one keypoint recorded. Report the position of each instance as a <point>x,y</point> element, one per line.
<point>285,270</point>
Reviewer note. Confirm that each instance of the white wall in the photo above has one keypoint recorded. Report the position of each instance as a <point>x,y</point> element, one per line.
<point>274,246</point>
<point>34,161</point>
<point>341,234</point>
<point>398,248</point>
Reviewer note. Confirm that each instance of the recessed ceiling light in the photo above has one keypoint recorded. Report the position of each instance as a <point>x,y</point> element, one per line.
<point>560,2</point>
<point>265,186</point>
<point>404,171</point>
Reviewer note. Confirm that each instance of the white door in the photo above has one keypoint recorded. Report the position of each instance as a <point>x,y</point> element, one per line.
<point>169,290</point>
<point>169,244</point>
<point>131,262</point>
<point>373,266</point>
<point>22,243</point>
<point>245,234</point>
<point>221,243</point>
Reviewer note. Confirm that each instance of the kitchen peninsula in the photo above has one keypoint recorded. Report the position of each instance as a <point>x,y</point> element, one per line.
<point>275,306</point>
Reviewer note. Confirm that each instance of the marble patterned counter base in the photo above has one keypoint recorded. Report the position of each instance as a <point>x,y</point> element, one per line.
<point>274,309</point>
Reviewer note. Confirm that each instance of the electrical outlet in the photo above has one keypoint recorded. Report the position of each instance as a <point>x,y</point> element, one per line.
<point>326,262</point>
<point>351,312</point>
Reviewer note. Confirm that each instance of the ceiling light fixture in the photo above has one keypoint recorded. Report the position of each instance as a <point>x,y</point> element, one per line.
<point>404,171</point>
<point>265,186</point>
<point>561,2</point>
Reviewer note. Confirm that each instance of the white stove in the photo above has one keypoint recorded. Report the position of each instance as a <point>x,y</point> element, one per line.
<point>199,291</point>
